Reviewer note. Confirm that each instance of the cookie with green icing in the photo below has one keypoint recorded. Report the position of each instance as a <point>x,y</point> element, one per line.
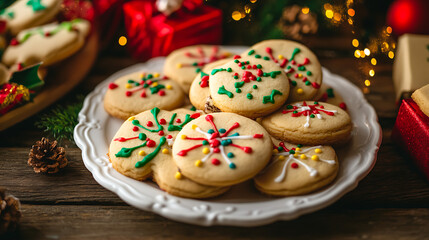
<point>249,86</point>
<point>49,43</point>
<point>141,149</point>
<point>141,91</point>
<point>298,62</point>
<point>222,149</point>
<point>327,94</point>
<point>297,169</point>
<point>24,14</point>
<point>199,90</point>
<point>184,64</point>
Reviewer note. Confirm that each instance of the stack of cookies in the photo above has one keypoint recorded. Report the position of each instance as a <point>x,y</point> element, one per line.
<point>263,115</point>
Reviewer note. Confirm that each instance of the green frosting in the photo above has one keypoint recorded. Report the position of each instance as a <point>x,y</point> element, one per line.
<point>222,90</point>
<point>270,98</point>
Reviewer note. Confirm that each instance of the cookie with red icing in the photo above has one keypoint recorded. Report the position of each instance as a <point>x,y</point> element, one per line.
<point>141,91</point>
<point>141,149</point>
<point>183,65</point>
<point>327,94</point>
<point>297,169</point>
<point>309,123</point>
<point>222,149</point>
<point>249,86</point>
<point>299,63</point>
<point>200,91</point>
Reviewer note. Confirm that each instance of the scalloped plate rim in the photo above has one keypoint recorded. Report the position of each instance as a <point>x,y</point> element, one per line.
<point>167,205</point>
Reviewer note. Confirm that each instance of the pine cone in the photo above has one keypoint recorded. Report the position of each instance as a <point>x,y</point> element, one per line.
<point>294,23</point>
<point>9,212</point>
<point>47,157</point>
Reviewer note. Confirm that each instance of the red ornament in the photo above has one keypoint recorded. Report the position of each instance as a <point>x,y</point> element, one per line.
<point>409,16</point>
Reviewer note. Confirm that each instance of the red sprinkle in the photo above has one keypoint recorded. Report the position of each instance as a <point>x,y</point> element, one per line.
<point>143,94</point>
<point>249,67</point>
<point>214,143</point>
<point>149,82</point>
<point>259,72</point>
<point>294,165</point>
<point>149,124</point>
<point>216,150</point>
<point>150,143</point>
<point>293,62</point>
<point>306,61</point>
<point>258,135</point>
<point>162,121</point>
<point>161,133</point>
<point>113,86</point>
<point>247,149</point>
<point>14,42</point>
<point>135,128</point>
<point>161,93</point>
<point>178,120</point>
<point>343,106</point>
<point>169,137</point>
<point>128,93</point>
<point>254,67</point>
<point>315,85</point>
<point>215,161</point>
<point>195,115</point>
<point>237,56</point>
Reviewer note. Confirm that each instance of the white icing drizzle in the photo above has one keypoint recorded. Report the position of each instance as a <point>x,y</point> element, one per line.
<point>312,171</point>
<point>307,108</point>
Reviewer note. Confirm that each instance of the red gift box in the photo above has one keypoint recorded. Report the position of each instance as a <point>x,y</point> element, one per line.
<point>151,33</point>
<point>411,131</point>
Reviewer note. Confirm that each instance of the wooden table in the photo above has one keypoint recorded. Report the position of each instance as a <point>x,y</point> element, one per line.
<point>391,202</point>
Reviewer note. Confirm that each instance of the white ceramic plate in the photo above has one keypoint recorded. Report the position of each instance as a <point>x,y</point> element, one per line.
<point>243,205</point>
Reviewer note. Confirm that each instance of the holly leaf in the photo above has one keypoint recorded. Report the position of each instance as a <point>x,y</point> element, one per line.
<point>28,77</point>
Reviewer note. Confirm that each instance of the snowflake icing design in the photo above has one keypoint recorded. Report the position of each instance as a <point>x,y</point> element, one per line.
<point>215,141</point>
<point>298,157</point>
<point>308,110</point>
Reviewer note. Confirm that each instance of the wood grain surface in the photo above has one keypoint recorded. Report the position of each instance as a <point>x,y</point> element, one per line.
<point>392,202</point>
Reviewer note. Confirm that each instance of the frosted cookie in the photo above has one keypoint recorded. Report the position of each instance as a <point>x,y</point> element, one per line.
<point>421,97</point>
<point>141,91</point>
<point>249,86</point>
<point>184,64</point>
<point>142,149</point>
<point>145,138</point>
<point>327,94</point>
<point>199,90</point>
<point>222,149</point>
<point>59,41</point>
<point>309,123</point>
<point>23,14</point>
<point>297,169</point>
<point>298,62</point>
<point>170,179</point>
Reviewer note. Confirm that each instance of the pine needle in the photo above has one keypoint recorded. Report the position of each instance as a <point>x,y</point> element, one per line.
<point>61,120</point>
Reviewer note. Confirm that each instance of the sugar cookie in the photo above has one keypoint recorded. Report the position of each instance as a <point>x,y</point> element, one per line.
<point>199,90</point>
<point>59,41</point>
<point>184,64</point>
<point>310,123</point>
<point>222,149</point>
<point>23,14</point>
<point>298,62</point>
<point>327,94</point>
<point>141,91</point>
<point>297,169</point>
<point>248,86</point>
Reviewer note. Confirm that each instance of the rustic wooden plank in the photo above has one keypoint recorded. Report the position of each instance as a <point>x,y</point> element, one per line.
<point>123,222</point>
<point>394,181</point>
